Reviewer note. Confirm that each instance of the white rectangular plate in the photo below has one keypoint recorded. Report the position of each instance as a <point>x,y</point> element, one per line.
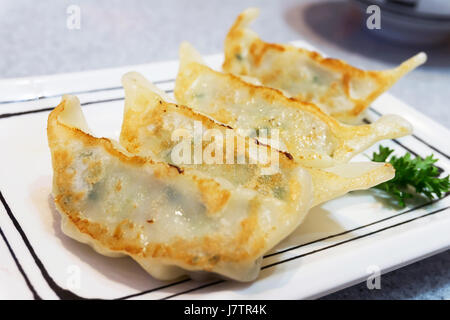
<point>339,243</point>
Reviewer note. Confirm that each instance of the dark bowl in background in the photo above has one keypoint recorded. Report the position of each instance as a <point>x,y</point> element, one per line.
<point>418,22</point>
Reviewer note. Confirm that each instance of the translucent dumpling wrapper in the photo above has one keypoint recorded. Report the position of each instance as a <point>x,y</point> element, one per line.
<point>314,138</point>
<point>172,221</point>
<point>338,88</point>
<point>149,123</point>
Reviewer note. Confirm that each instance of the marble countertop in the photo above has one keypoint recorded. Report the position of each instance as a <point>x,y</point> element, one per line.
<point>36,41</point>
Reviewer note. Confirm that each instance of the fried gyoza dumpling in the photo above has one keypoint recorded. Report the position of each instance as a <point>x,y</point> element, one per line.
<point>149,123</point>
<point>310,135</point>
<point>171,221</point>
<point>339,89</point>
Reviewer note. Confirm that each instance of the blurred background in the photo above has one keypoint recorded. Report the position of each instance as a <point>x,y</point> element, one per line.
<point>36,41</point>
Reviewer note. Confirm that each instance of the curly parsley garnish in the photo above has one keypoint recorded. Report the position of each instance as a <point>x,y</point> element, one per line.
<point>412,176</point>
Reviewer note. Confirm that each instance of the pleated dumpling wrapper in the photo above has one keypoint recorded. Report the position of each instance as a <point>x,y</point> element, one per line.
<point>150,120</point>
<point>338,88</point>
<point>314,138</point>
<point>171,221</point>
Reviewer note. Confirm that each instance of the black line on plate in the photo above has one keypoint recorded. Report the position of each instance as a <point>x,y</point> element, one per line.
<point>311,252</point>
<point>60,292</point>
<point>21,113</point>
<point>59,95</point>
<point>154,289</point>
<point>378,113</point>
<point>19,266</point>
<point>356,238</point>
<point>76,92</point>
<point>9,115</point>
<point>416,137</point>
<point>431,146</point>
<point>194,289</point>
<point>405,147</point>
<point>355,229</point>
<point>87,103</point>
<point>14,114</point>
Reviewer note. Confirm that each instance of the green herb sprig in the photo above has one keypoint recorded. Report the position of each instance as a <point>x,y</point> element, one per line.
<point>413,176</point>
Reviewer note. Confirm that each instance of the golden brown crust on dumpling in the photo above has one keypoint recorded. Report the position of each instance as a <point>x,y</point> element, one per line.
<point>338,88</point>
<point>170,220</point>
<point>326,184</point>
<point>308,133</point>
